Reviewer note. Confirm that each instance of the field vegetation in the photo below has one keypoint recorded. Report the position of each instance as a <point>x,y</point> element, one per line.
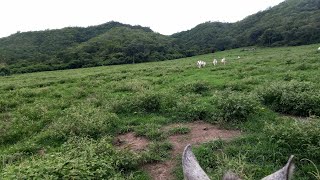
<point>62,124</point>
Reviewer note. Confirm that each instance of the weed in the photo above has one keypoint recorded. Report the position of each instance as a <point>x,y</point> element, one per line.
<point>179,130</point>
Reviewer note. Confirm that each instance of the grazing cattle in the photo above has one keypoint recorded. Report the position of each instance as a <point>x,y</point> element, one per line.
<point>193,171</point>
<point>238,57</point>
<point>214,62</point>
<point>201,64</point>
<point>223,60</point>
<point>319,49</point>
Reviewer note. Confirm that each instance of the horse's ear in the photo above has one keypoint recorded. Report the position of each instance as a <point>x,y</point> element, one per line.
<point>284,173</point>
<point>191,167</point>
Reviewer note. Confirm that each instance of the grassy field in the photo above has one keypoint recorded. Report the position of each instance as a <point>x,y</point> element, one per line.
<point>61,124</point>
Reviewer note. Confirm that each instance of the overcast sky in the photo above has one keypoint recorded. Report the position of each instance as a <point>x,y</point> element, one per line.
<point>163,16</point>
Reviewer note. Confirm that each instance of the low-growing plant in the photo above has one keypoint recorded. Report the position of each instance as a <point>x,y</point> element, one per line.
<point>143,102</point>
<point>190,107</point>
<point>151,131</point>
<point>79,158</point>
<point>233,107</point>
<point>301,138</point>
<point>179,130</point>
<point>293,97</point>
<point>85,120</point>
<point>157,151</point>
<point>198,87</point>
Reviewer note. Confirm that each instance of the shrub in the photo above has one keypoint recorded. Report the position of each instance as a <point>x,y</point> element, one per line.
<point>234,107</point>
<point>7,105</point>
<point>158,151</point>
<point>198,87</point>
<point>85,120</point>
<point>79,158</point>
<point>131,86</point>
<point>179,130</point>
<point>145,102</point>
<point>190,107</point>
<point>293,137</point>
<point>151,131</point>
<point>296,98</point>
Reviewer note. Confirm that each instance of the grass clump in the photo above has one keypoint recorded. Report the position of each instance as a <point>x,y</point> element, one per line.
<point>296,137</point>
<point>197,87</point>
<point>79,158</point>
<point>144,102</point>
<point>158,151</point>
<point>179,130</point>
<point>189,108</point>
<point>293,97</point>
<point>151,131</point>
<point>82,120</point>
<point>233,107</point>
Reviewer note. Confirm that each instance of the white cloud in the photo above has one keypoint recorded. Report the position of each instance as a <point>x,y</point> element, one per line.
<point>165,16</point>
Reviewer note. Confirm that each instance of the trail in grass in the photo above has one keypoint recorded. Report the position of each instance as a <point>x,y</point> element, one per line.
<point>200,132</point>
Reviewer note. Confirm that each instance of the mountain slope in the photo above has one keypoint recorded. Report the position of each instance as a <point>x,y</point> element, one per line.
<point>121,45</point>
<point>38,51</point>
<point>293,22</point>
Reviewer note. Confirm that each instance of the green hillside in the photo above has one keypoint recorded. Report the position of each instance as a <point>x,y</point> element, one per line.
<point>64,124</point>
<point>40,50</point>
<point>293,22</point>
<point>121,45</point>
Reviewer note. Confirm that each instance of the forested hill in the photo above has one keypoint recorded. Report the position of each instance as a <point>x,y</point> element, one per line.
<point>40,50</point>
<point>293,22</point>
<point>121,45</point>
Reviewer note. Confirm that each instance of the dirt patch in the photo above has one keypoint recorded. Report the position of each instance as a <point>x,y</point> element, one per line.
<point>200,132</point>
<point>131,142</point>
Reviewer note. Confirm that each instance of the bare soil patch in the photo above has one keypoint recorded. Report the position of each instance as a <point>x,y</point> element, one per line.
<point>200,132</point>
<point>131,142</point>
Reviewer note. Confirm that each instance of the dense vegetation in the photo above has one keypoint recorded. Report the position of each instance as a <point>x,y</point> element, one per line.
<point>62,124</point>
<point>293,22</point>
<point>121,45</point>
<point>110,43</point>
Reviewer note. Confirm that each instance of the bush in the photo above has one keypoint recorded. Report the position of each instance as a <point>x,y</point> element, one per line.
<point>198,87</point>
<point>158,151</point>
<point>295,98</point>
<point>190,107</point>
<point>293,137</point>
<point>144,102</point>
<point>79,158</point>
<point>179,130</point>
<point>151,131</point>
<point>84,121</point>
<point>234,107</point>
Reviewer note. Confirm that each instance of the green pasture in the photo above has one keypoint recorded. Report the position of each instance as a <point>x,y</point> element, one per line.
<point>271,94</point>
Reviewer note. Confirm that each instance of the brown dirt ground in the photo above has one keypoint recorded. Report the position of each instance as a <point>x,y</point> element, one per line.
<point>200,132</point>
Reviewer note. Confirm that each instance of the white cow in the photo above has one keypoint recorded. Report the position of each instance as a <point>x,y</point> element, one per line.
<point>214,62</point>
<point>193,171</point>
<point>319,49</point>
<point>238,57</point>
<point>223,60</point>
<point>201,64</point>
